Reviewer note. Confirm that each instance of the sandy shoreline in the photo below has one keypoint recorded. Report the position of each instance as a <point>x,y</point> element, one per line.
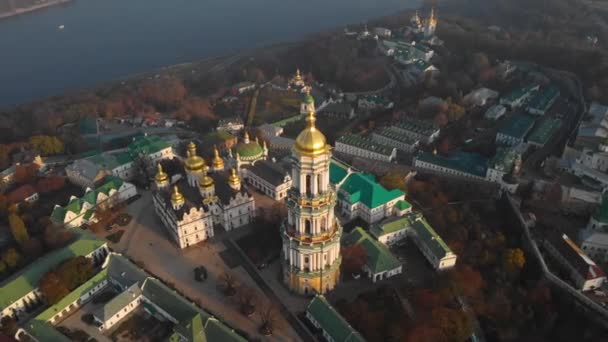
<point>20,11</point>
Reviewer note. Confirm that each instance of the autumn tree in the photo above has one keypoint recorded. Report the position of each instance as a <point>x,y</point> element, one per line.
<point>25,174</point>
<point>75,271</point>
<point>47,145</point>
<point>50,184</point>
<point>18,229</point>
<point>55,237</point>
<point>466,281</point>
<point>455,324</point>
<point>514,260</point>
<point>268,320</point>
<point>353,258</point>
<point>53,288</point>
<point>11,258</point>
<point>394,179</point>
<point>247,300</point>
<point>8,326</point>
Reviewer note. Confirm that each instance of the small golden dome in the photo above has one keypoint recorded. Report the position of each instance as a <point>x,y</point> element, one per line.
<point>298,76</point>
<point>161,176</point>
<point>311,142</point>
<point>176,197</point>
<point>217,162</point>
<point>193,163</point>
<point>234,178</point>
<point>206,181</point>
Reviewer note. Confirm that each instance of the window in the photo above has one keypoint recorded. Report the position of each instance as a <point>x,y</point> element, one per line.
<point>308,185</point>
<point>307,228</point>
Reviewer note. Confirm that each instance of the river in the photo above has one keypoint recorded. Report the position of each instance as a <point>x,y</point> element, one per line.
<point>104,40</point>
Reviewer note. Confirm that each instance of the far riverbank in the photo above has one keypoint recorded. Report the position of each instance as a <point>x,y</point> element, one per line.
<point>23,10</point>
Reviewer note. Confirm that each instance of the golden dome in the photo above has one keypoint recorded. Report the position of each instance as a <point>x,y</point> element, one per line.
<point>176,197</point>
<point>311,142</point>
<point>193,162</point>
<point>298,76</point>
<point>161,176</point>
<point>206,181</point>
<point>234,178</point>
<point>217,162</point>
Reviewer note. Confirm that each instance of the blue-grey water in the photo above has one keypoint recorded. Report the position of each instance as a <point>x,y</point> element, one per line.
<point>109,39</point>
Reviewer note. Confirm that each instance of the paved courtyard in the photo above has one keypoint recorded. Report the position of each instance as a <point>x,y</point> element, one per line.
<point>146,242</point>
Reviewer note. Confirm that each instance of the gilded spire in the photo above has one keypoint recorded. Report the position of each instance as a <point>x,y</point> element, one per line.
<point>246,137</point>
<point>217,162</point>
<point>234,180</point>
<point>177,199</point>
<point>298,75</point>
<point>311,141</point>
<point>194,163</point>
<point>161,177</point>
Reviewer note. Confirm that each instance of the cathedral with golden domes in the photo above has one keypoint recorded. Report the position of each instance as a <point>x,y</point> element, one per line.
<point>311,233</point>
<point>425,26</point>
<point>192,203</point>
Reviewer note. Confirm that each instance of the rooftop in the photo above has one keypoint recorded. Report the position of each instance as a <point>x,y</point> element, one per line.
<point>365,143</point>
<point>417,126</point>
<point>271,172</point>
<point>517,126</point>
<point>379,257</point>
<point>432,240</point>
<point>586,267</point>
<point>392,133</point>
<point>543,100</point>
<point>518,93</point>
<point>362,187</point>
<point>545,131</point>
<point>147,145</point>
<point>467,162</point>
<point>331,321</point>
<point>394,224</point>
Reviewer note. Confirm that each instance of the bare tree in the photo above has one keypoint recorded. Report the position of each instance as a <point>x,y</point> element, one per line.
<point>228,283</point>
<point>247,300</point>
<point>268,318</point>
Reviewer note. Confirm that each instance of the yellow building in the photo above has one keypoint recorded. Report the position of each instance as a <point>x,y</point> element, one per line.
<point>311,234</point>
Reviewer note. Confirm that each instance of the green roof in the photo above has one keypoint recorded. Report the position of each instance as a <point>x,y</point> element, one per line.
<point>518,93</point>
<point>123,158</point>
<point>75,205</point>
<point>331,321</point>
<point>432,240</point>
<point>362,187</point>
<point>403,205</point>
<point>104,161</point>
<point>366,144</point>
<point>337,172</point>
<point>44,332</point>
<point>394,134</point>
<point>545,131</point>
<point>217,137</point>
<point>392,225</point>
<point>602,213</point>
<point>379,257</point>
<point>117,303</point>
<point>471,163</point>
<point>168,300</point>
<point>416,126</point>
<point>87,125</point>
<point>192,330</point>
<point>544,99</point>
<point>218,331</point>
<point>517,126</point>
<point>147,145</point>
<point>28,280</point>
<point>252,149</point>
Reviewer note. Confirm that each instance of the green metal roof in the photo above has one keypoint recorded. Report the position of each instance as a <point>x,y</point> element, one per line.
<point>331,321</point>
<point>218,331</point>
<point>104,161</point>
<point>147,145</point>
<point>544,99</point>
<point>44,332</point>
<point>417,126</point>
<point>27,280</point>
<point>394,134</point>
<point>518,93</point>
<point>123,158</point>
<point>337,172</point>
<point>118,303</point>
<point>429,236</point>
<point>392,225</point>
<point>75,205</point>
<point>192,330</point>
<point>362,187</point>
<point>403,205</point>
<point>503,160</point>
<point>545,131</point>
<point>250,150</point>
<point>517,126</point>
<point>168,300</point>
<point>471,163</point>
<point>379,257</point>
<point>366,144</point>
<point>602,213</point>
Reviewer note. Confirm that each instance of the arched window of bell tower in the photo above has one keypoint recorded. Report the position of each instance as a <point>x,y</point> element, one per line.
<point>308,185</point>
<point>307,226</point>
<point>319,184</point>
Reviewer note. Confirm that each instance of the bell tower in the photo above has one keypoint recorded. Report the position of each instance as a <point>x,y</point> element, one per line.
<point>311,234</point>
